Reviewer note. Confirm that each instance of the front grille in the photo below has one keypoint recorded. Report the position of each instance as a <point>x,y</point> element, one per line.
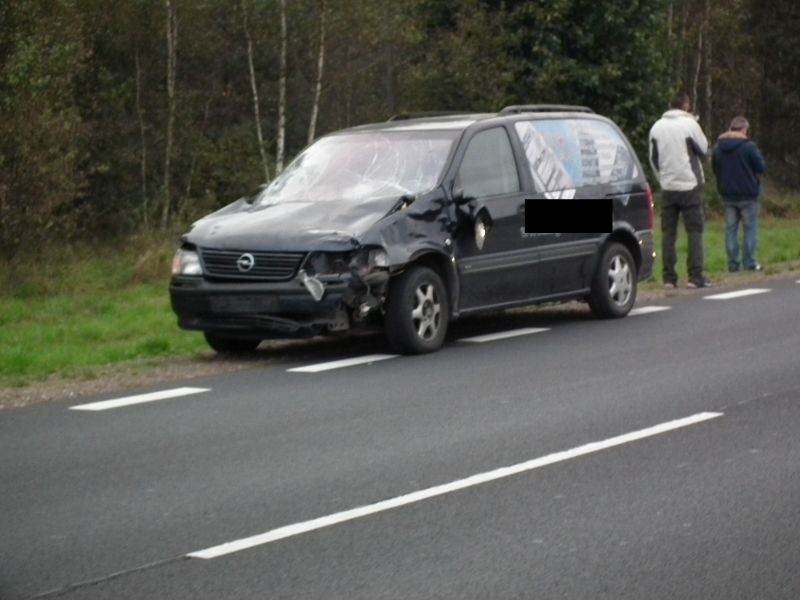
<point>267,266</point>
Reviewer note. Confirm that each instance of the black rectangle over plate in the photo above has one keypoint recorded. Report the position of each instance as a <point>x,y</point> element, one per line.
<point>592,215</point>
<point>246,304</point>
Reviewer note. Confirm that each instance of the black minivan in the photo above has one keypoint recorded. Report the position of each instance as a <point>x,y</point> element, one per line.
<point>409,224</point>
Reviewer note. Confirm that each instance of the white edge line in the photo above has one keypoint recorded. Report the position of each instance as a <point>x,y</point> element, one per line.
<point>737,294</point>
<point>439,490</point>
<point>645,310</point>
<point>339,364</point>
<point>140,399</point>
<point>491,337</point>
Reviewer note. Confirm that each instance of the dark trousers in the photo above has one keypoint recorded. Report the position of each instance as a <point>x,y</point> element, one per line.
<point>690,205</point>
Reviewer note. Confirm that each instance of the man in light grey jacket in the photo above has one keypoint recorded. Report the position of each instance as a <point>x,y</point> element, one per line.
<point>677,146</point>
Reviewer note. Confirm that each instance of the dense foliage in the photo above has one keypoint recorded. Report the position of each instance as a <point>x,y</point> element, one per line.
<point>117,117</point>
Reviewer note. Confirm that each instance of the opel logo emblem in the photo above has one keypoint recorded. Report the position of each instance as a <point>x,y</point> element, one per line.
<point>245,262</point>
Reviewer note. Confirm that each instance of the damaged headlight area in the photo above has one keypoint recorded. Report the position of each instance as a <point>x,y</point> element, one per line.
<point>186,262</point>
<point>327,263</point>
<point>359,263</point>
<point>366,270</point>
<point>370,270</point>
<point>367,260</point>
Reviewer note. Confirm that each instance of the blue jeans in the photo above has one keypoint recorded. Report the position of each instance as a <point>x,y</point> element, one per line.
<point>747,213</point>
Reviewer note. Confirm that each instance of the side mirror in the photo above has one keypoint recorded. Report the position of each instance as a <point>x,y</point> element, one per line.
<point>459,198</point>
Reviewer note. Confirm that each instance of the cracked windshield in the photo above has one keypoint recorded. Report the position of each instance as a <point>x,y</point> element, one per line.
<point>361,166</point>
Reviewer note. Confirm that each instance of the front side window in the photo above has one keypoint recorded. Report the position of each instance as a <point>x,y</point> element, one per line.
<point>488,168</point>
<point>359,166</point>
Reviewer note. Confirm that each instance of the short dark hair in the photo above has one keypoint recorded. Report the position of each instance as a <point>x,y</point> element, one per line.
<point>739,124</point>
<point>680,100</point>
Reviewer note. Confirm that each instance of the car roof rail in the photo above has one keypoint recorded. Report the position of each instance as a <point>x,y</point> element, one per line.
<point>523,108</point>
<point>430,113</point>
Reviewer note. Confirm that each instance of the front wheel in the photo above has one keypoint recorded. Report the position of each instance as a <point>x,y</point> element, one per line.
<point>231,345</point>
<point>613,290</point>
<point>417,312</point>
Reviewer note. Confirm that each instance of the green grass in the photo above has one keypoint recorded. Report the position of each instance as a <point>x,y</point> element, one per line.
<point>778,248</point>
<point>86,308</point>
<point>68,334</point>
<point>89,307</point>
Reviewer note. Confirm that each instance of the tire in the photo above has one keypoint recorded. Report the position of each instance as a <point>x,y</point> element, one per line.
<point>614,284</point>
<point>417,312</point>
<point>231,345</point>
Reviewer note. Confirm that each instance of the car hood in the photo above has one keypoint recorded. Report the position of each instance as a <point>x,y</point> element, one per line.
<point>289,226</point>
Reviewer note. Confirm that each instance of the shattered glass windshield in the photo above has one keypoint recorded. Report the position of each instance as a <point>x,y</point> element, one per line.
<point>360,166</point>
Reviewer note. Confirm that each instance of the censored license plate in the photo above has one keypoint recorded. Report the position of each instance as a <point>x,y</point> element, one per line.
<point>238,305</point>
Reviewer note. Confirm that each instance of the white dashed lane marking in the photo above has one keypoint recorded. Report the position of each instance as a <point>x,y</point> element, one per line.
<point>646,310</point>
<point>139,399</point>
<point>491,337</point>
<point>439,490</point>
<point>341,364</point>
<point>738,294</point>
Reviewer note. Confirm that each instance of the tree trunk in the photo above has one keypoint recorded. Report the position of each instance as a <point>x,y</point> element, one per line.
<point>193,165</point>
<point>282,94</point>
<point>312,126</point>
<point>172,42</point>
<point>254,87</point>
<point>669,23</point>
<point>708,106</point>
<point>682,61</point>
<point>140,115</point>
<point>698,64</point>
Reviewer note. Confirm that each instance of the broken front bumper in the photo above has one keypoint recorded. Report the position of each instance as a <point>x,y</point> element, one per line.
<point>259,309</point>
<point>274,309</point>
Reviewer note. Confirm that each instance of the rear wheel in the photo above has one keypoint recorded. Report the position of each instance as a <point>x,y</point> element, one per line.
<point>613,290</point>
<point>231,345</point>
<point>417,312</point>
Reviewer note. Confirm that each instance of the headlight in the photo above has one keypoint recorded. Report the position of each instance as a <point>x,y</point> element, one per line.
<point>368,259</point>
<point>327,263</point>
<point>186,262</point>
<point>378,258</point>
<point>333,263</point>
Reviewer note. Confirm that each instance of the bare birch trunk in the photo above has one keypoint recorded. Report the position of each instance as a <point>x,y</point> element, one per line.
<point>682,61</point>
<point>312,126</point>
<point>140,115</point>
<point>256,110</point>
<point>708,106</point>
<point>172,42</point>
<point>698,64</point>
<point>282,94</point>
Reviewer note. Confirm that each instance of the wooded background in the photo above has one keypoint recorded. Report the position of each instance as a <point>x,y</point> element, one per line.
<point>118,117</point>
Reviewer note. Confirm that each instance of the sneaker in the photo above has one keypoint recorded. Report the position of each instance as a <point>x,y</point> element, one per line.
<point>668,285</point>
<point>702,283</point>
<point>756,267</point>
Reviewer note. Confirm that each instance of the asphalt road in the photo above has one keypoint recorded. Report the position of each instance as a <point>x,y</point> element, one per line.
<point>655,456</point>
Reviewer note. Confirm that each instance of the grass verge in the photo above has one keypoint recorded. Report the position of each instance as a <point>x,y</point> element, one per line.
<point>778,249</point>
<point>85,309</point>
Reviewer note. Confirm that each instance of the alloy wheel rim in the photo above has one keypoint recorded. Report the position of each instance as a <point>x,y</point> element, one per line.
<point>620,281</point>
<point>426,316</point>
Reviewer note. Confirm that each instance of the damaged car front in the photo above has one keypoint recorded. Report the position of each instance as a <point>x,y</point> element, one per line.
<point>314,252</point>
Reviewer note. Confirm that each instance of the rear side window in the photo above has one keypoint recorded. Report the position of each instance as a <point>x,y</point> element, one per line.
<point>488,168</point>
<point>565,154</point>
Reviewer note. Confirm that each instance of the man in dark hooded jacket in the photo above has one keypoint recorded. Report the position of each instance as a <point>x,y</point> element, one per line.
<point>737,163</point>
